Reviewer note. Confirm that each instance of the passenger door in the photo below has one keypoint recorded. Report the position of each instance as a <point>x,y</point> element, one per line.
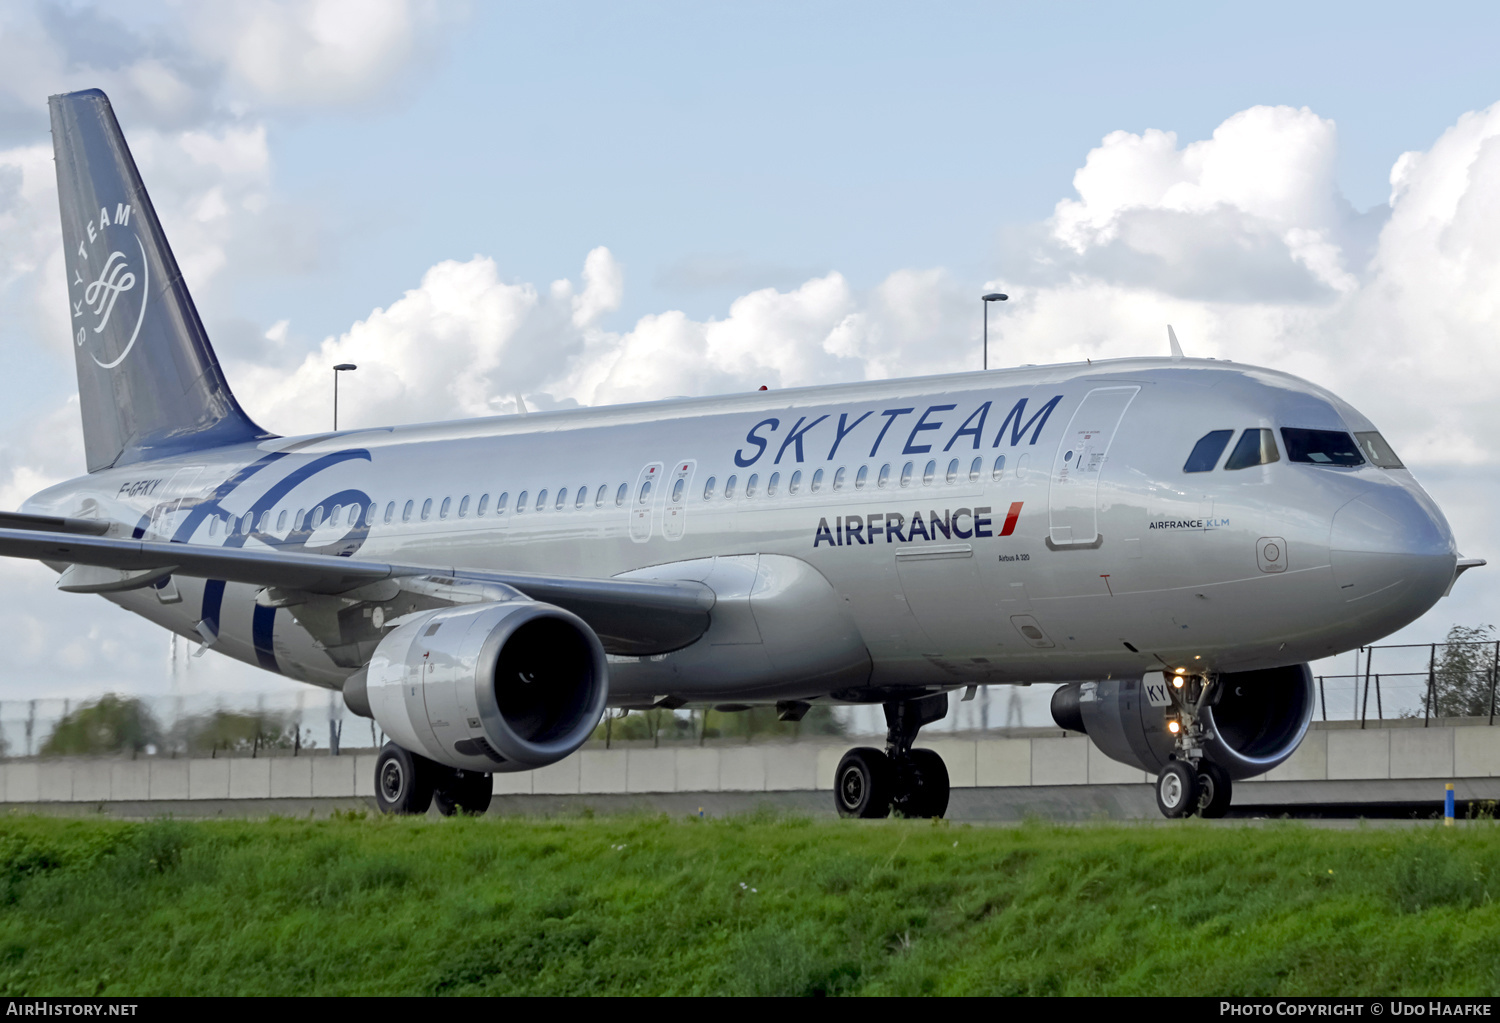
<point>1073,498</point>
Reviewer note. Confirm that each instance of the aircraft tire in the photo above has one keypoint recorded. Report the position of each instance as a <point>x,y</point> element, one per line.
<point>929,796</point>
<point>1215,790</point>
<point>467,792</point>
<point>1177,790</point>
<point>403,781</point>
<point>863,783</point>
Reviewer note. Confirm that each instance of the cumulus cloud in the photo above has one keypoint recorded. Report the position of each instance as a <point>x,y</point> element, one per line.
<point>323,51</point>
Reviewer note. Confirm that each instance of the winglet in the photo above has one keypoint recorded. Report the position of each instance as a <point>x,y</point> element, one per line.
<point>1172,340</point>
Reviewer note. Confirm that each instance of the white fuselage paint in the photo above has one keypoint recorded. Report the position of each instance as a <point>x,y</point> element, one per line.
<point>1114,547</point>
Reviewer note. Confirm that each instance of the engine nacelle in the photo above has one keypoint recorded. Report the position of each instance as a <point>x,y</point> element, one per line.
<point>508,686</point>
<point>1255,722</point>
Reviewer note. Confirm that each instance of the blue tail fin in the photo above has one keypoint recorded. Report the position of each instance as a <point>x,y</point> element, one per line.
<point>149,385</point>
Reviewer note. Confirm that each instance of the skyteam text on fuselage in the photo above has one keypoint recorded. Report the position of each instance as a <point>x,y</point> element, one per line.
<point>1173,538</point>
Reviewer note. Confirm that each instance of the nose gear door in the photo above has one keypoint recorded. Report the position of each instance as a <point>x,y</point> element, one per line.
<point>1073,498</point>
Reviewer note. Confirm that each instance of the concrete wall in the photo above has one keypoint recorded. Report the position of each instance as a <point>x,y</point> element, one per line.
<point>1047,758</point>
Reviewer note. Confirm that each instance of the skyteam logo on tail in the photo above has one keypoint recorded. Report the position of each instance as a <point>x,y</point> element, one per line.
<point>111,279</point>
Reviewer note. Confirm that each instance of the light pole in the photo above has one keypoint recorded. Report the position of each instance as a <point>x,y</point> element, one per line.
<point>340,368</point>
<point>993,296</point>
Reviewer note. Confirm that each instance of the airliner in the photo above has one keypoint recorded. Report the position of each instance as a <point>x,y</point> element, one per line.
<point>1173,539</point>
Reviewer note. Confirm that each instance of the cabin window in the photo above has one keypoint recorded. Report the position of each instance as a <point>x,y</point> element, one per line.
<point>354,510</point>
<point>1206,452</point>
<point>729,486</point>
<point>443,508</point>
<point>817,482</point>
<point>390,512</point>
<point>1255,447</point>
<point>541,500</point>
<point>281,519</point>
<point>708,488</point>
<point>677,489</point>
<point>317,516</point>
<point>463,506</point>
<point>300,522</point>
<point>521,502</point>
<point>795,483</point>
<point>884,479</point>
<point>906,474</point>
<point>427,509</point>
<point>406,511</point>
<point>772,484</point>
<point>562,499</point>
<point>974,469</point>
<point>620,494</point>
<point>953,472</point>
<point>333,514</point>
<point>999,469</point>
<point>599,497</point>
<point>1375,449</point>
<point>839,475</point>
<point>751,483</point>
<point>213,526</point>
<point>861,476</point>
<point>1321,447</point>
<point>370,516</point>
<point>929,474</point>
<point>583,495</point>
<point>501,503</point>
<point>645,494</point>
<point>484,504</point>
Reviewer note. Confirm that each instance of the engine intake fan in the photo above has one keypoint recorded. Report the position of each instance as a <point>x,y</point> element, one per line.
<point>508,686</point>
<point>1255,722</point>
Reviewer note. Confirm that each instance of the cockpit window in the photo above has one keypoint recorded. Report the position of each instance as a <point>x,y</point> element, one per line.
<point>1256,447</point>
<point>1321,447</point>
<point>1207,451</point>
<point>1377,450</point>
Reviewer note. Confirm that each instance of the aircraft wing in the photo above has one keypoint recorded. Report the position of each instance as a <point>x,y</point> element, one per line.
<point>635,617</point>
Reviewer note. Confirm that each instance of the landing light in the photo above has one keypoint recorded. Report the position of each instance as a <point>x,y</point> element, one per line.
<point>1177,681</point>
<point>1173,727</point>
<point>1182,671</point>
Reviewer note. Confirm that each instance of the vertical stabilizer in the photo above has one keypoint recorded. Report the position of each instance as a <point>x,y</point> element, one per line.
<point>149,385</point>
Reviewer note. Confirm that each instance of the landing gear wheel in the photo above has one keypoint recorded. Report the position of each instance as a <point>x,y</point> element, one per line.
<point>464,792</point>
<point>927,778</point>
<point>1177,790</point>
<point>403,781</point>
<point>862,785</point>
<point>1214,789</point>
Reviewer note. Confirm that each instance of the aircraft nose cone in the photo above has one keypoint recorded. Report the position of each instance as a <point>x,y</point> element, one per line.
<point>1387,550</point>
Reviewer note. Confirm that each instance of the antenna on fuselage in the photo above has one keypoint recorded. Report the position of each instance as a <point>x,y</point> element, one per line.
<point>1172,340</point>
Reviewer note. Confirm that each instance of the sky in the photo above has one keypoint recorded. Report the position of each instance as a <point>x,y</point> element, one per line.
<point>594,203</point>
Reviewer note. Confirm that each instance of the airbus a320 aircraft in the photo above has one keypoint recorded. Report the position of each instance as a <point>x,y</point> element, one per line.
<point>1184,535</point>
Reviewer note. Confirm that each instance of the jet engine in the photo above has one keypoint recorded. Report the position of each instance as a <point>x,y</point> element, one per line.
<point>1253,720</point>
<point>508,686</point>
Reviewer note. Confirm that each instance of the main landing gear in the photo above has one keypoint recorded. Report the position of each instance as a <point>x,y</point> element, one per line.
<point>1191,783</point>
<point>913,782</point>
<point>408,784</point>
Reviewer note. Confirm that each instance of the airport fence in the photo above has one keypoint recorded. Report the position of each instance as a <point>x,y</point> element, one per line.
<point>1415,680</point>
<point>1428,680</point>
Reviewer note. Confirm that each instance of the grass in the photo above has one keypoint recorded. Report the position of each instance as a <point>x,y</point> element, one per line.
<point>752,905</point>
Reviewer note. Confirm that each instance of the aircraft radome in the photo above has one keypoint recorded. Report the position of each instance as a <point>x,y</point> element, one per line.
<point>1173,538</point>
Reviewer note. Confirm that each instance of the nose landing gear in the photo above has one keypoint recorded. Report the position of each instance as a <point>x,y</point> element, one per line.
<point>913,782</point>
<point>1191,783</point>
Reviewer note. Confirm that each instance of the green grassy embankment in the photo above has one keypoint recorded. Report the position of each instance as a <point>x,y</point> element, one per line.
<point>755,905</point>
